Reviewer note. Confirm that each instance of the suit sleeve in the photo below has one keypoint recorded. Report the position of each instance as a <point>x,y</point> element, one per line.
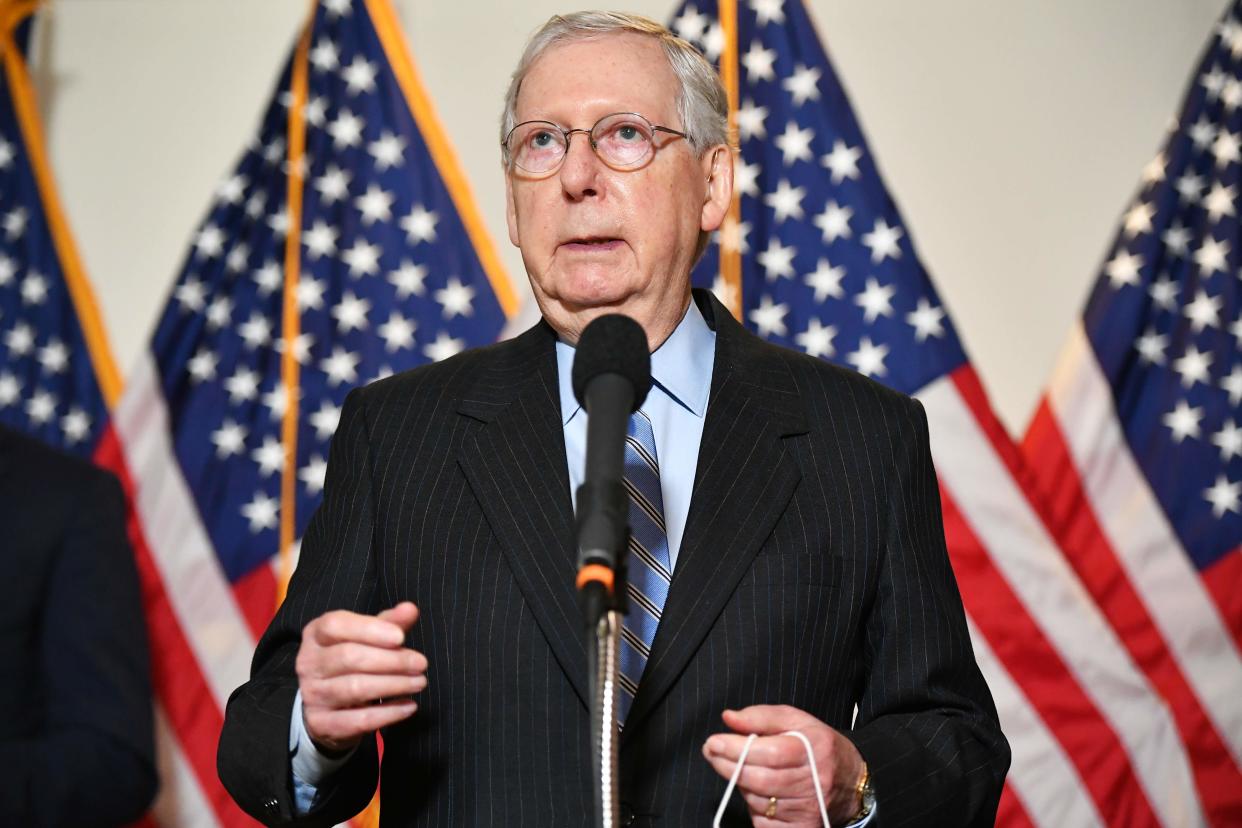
<point>926,724</point>
<point>336,570</point>
<point>93,761</point>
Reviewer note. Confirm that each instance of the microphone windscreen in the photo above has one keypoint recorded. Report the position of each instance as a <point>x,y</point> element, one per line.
<point>613,344</point>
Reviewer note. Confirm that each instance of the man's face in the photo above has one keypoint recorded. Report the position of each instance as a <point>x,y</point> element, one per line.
<point>597,240</point>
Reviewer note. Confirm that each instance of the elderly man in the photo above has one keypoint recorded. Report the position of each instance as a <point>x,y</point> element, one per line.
<point>789,561</point>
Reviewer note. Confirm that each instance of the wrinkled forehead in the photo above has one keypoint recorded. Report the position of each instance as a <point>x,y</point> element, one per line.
<point>593,76</point>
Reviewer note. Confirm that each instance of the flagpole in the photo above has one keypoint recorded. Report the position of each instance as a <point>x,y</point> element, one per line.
<point>730,249</point>
<point>291,322</point>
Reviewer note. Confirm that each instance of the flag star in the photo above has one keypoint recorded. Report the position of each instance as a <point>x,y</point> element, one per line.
<point>777,260</point>
<point>276,401</point>
<point>268,278</point>
<point>333,185</point>
<point>455,298</point>
<point>1213,80</point>
<point>1236,329</point>
<point>279,222</point>
<point>359,75</point>
<point>825,280</point>
<point>444,347</point>
<point>34,289</point>
<point>346,130</point>
<point>1123,268</point>
<point>383,372</point>
<point>76,425</point>
<point>6,154</point>
<point>1231,95</point>
<point>883,241</point>
<point>758,62</point>
<point>1227,148</point>
<point>236,260</point>
<point>7,270</point>
<point>351,313</point>
<point>750,121</point>
<point>875,300</point>
<point>408,279</point>
<point>1163,293</point>
<point>320,240</point>
<point>795,143</point>
<point>869,358</point>
<point>1201,133</point>
<point>1183,421</point>
<point>1138,219</point>
<point>326,419</point>
<point>362,258</point>
<point>733,235</point>
<point>803,84</point>
<point>1228,440</point>
<point>388,151</point>
<point>834,222</point>
<point>1177,239</point>
<point>374,205</point>
<point>10,389</point>
<point>20,339</point>
<point>843,161</point>
<point>316,111</point>
<point>420,224</point>
<point>302,344</point>
<point>1204,311</point>
<point>41,407</point>
<point>786,201</point>
<point>1211,256</point>
<point>727,293</point>
<point>1151,347</point>
<point>261,512</point>
<point>313,474</point>
<point>337,8</point>
<point>210,242</point>
<point>926,319</point>
<point>690,25</point>
<point>769,317</point>
<point>310,292</point>
<point>746,178</point>
<point>230,439</point>
<point>231,189</point>
<point>1193,365</point>
<point>270,456</point>
<point>202,366</point>
<point>1189,187</point>
<point>1233,385</point>
<point>15,223</point>
<point>243,386</point>
<point>256,204</point>
<point>1154,171</point>
<point>1219,201</point>
<point>325,56</point>
<point>341,366</point>
<point>1231,36</point>
<point>219,312</point>
<point>816,340</point>
<point>54,357</point>
<point>1223,496</point>
<point>397,332</point>
<point>768,11</point>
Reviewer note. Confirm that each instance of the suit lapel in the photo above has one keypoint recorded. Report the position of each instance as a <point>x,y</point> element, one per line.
<point>516,467</point>
<point>745,478</point>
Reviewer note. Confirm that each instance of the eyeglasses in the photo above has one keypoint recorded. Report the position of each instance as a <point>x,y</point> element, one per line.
<point>623,140</point>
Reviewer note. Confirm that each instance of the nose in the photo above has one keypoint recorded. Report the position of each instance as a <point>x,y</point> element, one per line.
<point>580,171</point>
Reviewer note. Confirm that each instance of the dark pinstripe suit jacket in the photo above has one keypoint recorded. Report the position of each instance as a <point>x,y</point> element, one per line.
<point>813,573</point>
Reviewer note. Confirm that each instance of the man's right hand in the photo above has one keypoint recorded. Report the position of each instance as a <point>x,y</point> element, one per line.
<point>355,675</point>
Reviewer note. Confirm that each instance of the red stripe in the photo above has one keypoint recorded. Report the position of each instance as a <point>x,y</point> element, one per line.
<point>1096,753</point>
<point>1069,513</point>
<point>1222,579</point>
<point>1011,813</point>
<point>256,597</point>
<point>177,678</point>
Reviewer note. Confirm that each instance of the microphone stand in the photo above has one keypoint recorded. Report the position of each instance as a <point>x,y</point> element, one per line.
<point>603,655</point>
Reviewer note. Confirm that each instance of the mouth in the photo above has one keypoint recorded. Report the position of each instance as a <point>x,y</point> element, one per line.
<point>592,244</point>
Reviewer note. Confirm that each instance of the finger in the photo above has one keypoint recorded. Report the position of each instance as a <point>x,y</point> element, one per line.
<point>767,751</point>
<point>767,719</point>
<point>341,625</point>
<point>329,727</point>
<point>788,811</point>
<point>358,690</point>
<point>780,782</point>
<point>351,657</point>
<point>404,615</point>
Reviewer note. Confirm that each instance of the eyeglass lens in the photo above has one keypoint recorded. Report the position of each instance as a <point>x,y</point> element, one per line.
<point>621,140</point>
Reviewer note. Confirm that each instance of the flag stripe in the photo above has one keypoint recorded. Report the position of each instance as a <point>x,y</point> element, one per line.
<point>971,472</point>
<point>180,800</point>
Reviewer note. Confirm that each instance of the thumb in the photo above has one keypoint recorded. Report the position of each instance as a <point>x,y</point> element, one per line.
<point>767,719</point>
<point>403,615</point>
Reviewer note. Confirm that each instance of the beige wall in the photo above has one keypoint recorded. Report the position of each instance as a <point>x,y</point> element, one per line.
<point>1011,133</point>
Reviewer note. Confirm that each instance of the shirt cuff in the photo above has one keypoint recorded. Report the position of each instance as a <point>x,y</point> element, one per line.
<point>310,766</point>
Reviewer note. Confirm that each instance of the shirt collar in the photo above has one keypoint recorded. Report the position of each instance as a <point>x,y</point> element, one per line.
<point>681,367</point>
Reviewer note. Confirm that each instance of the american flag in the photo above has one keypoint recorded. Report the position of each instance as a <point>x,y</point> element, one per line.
<point>343,247</point>
<point>1137,444</point>
<point>828,266</point>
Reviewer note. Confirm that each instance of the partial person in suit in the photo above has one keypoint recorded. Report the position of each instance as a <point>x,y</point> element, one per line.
<point>791,559</point>
<point>76,739</point>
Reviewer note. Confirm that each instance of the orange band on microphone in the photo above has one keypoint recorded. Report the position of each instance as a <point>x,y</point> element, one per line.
<point>596,572</point>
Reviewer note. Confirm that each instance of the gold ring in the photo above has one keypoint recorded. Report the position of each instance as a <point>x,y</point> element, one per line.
<point>770,813</point>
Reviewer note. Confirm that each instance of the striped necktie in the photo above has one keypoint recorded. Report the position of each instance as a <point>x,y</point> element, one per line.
<point>649,568</point>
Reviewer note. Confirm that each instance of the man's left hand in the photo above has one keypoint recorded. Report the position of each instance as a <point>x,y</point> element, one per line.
<point>777,766</point>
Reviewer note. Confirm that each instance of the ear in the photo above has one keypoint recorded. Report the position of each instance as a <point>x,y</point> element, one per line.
<point>511,211</point>
<point>717,165</point>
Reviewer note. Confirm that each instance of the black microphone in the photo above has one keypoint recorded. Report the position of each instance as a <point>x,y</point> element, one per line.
<point>611,378</point>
